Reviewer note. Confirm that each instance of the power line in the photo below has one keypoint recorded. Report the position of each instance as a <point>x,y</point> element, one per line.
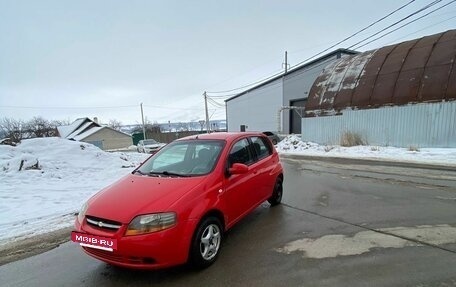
<point>347,38</point>
<point>433,3</point>
<point>219,97</point>
<point>171,108</point>
<point>89,108</point>
<point>248,71</point>
<point>397,22</point>
<point>289,77</point>
<point>54,107</point>
<point>246,86</point>
<point>427,27</point>
<point>356,33</point>
<point>408,23</point>
<point>229,95</point>
<point>214,103</point>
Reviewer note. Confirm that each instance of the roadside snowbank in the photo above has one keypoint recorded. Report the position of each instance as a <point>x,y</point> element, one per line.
<point>44,181</point>
<point>441,156</point>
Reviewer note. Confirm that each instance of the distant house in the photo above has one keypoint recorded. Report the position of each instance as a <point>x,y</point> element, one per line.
<point>89,131</point>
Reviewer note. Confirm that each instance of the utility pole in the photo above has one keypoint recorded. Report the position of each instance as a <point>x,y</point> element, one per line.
<point>142,117</point>
<point>208,127</point>
<point>286,62</point>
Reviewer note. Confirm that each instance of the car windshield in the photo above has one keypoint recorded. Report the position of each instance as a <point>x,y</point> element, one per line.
<point>184,158</point>
<point>150,141</point>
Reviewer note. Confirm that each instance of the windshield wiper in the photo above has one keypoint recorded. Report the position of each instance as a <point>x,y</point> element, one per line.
<point>167,173</point>
<point>140,172</point>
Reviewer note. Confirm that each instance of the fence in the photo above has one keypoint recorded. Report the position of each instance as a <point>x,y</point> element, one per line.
<point>420,125</point>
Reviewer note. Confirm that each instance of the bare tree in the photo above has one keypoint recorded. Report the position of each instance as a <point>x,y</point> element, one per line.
<point>13,129</point>
<point>58,123</point>
<point>149,126</point>
<point>115,124</point>
<point>39,127</point>
<point>17,130</point>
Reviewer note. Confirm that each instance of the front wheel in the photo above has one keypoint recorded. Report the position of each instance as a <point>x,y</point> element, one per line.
<point>276,197</point>
<point>206,243</point>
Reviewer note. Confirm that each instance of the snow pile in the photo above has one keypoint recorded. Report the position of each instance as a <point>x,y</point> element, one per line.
<point>443,156</point>
<point>44,181</point>
<point>293,144</point>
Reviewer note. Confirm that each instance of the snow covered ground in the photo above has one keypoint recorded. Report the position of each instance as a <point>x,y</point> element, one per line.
<point>440,156</point>
<point>44,181</point>
<point>34,201</point>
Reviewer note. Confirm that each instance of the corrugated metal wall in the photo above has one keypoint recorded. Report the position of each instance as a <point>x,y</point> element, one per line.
<point>420,125</point>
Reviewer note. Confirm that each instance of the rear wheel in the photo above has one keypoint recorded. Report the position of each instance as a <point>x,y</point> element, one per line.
<point>206,242</point>
<point>276,197</point>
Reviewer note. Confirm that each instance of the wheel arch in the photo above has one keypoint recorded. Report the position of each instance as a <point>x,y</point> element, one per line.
<point>280,176</point>
<point>215,213</point>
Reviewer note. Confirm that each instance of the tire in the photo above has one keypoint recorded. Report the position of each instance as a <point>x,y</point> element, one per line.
<point>277,193</point>
<point>206,243</point>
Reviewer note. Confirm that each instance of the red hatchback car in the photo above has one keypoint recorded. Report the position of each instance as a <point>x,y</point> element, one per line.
<point>176,206</point>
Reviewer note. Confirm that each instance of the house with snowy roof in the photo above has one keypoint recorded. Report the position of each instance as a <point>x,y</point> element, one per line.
<point>90,131</point>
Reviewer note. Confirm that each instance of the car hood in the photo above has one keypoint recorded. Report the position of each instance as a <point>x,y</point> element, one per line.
<point>135,194</point>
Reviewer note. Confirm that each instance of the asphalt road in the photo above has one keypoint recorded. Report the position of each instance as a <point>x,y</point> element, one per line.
<point>340,225</point>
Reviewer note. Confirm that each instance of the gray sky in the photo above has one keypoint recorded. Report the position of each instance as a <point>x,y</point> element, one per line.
<point>68,59</point>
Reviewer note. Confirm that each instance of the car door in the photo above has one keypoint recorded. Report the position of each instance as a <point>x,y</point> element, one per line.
<point>263,167</point>
<point>239,187</point>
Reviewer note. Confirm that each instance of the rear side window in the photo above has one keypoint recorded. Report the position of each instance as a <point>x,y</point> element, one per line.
<point>240,153</point>
<point>261,147</point>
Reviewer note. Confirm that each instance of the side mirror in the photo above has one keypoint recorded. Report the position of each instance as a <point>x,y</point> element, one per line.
<point>238,168</point>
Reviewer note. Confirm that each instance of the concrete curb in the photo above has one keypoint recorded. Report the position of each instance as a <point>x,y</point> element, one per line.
<point>370,161</point>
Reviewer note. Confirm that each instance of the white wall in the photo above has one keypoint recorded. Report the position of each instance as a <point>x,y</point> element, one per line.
<point>257,109</point>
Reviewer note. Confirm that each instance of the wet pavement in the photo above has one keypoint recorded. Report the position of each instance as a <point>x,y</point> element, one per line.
<point>339,226</point>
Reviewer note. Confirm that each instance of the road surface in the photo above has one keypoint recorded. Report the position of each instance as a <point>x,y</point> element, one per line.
<point>339,225</point>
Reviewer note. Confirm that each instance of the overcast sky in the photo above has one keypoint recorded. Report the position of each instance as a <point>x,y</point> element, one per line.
<point>68,59</point>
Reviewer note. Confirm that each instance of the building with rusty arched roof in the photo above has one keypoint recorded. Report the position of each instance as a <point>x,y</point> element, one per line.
<point>398,95</point>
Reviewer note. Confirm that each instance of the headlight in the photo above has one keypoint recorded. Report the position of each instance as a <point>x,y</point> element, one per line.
<point>82,212</point>
<point>151,223</point>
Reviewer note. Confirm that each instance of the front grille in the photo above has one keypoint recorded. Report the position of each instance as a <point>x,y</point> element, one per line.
<point>118,258</point>
<point>103,223</point>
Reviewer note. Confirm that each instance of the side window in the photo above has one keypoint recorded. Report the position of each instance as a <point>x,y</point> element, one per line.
<point>240,153</point>
<point>261,147</point>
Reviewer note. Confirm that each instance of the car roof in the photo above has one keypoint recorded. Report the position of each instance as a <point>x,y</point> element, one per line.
<point>228,136</point>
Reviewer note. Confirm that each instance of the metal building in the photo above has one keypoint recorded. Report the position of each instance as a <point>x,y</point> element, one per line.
<point>261,107</point>
<point>399,95</point>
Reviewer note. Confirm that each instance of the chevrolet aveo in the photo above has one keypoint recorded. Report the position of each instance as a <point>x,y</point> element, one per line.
<point>176,206</point>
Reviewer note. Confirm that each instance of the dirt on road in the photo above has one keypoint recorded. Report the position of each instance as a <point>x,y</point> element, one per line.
<point>20,249</point>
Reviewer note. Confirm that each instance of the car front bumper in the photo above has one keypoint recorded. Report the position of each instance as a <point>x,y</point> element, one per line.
<point>150,251</point>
